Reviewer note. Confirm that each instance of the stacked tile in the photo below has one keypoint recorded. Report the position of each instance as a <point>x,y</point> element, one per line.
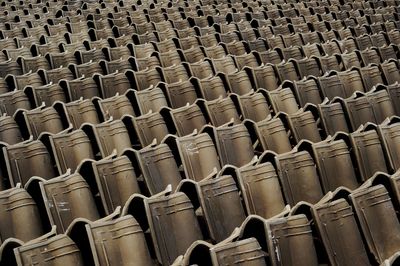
<point>200,132</point>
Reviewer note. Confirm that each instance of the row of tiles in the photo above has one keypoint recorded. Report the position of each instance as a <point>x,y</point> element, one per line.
<point>234,92</point>
<point>198,18</point>
<point>99,30</point>
<point>197,155</point>
<point>196,211</point>
<point>360,51</point>
<point>196,77</point>
<point>76,7</point>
